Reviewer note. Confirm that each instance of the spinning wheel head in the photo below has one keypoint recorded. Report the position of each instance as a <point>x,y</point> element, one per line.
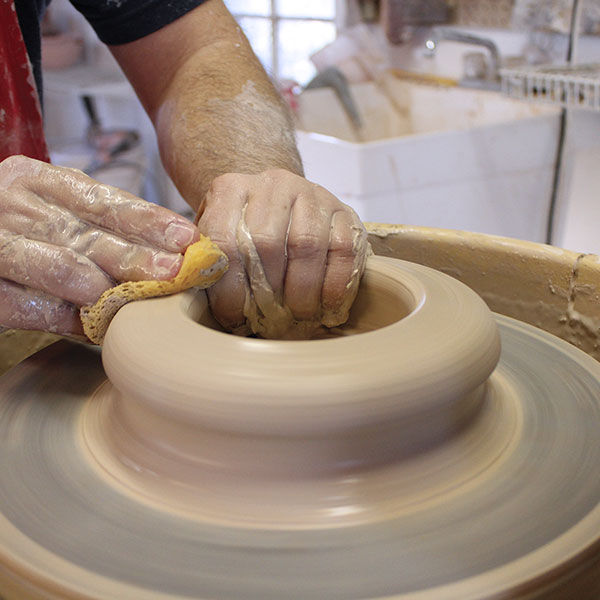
<point>404,461</point>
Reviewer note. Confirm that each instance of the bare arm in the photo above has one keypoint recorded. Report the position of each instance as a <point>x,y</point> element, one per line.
<point>296,253</point>
<point>213,106</point>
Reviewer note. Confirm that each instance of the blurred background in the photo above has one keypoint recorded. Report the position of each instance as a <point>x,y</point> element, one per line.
<point>479,115</point>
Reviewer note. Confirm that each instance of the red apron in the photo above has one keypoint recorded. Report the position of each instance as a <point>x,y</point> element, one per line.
<point>21,127</point>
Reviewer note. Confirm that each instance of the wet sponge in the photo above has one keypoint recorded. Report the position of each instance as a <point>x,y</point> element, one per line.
<point>203,264</point>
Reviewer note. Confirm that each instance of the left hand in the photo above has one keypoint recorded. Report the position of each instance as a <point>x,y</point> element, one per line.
<point>296,253</point>
<point>66,238</point>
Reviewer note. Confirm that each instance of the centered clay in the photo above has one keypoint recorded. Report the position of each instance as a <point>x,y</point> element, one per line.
<point>408,457</point>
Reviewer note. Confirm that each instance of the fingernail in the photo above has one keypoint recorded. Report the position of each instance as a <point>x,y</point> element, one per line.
<point>166,267</point>
<point>180,235</point>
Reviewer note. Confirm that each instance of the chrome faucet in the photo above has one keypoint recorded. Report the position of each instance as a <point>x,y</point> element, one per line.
<point>492,78</point>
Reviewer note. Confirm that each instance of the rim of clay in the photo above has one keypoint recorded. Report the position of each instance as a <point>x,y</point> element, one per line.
<point>411,367</point>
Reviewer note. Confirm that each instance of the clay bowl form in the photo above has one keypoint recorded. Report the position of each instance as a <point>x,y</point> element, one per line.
<point>431,451</point>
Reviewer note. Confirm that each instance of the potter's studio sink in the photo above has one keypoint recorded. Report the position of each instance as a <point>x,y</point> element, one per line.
<point>434,155</point>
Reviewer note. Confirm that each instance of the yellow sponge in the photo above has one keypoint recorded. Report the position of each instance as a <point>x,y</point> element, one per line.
<point>203,264</point>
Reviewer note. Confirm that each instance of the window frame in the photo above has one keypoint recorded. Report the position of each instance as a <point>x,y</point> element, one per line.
<point>275,19</point>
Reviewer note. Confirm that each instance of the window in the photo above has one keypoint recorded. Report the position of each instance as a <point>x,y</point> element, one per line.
<point>284,33</point>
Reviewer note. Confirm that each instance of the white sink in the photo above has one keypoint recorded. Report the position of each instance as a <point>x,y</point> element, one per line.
<point>435,156</point>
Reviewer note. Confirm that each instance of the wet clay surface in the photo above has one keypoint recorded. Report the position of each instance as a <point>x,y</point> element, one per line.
<point>315,518</point>
<point>499,479</point>
<point>504,504</point>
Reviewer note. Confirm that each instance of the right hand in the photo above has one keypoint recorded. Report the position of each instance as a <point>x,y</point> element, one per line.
<point>295,251</point>
<point>66,238</point>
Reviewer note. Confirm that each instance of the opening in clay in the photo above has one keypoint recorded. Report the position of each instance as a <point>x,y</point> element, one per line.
<point>381,301</point>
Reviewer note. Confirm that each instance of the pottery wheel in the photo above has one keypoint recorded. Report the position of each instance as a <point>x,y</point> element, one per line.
<point>503,502</point>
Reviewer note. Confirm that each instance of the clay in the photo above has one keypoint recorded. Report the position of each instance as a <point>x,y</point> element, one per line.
<point>282,409</point>
<point>275,387</point>
<point>395,463</point>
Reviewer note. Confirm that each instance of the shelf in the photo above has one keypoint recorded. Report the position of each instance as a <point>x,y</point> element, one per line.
<point>570,86</point>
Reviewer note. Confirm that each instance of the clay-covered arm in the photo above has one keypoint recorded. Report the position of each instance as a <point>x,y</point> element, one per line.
<point>213,106</point>
<point>295,251</point>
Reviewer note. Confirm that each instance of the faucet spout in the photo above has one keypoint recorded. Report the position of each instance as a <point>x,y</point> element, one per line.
<point>439,34</point>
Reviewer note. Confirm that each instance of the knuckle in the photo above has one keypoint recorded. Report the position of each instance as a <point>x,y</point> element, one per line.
<point>278,173</point>
<point>282,179</point>
<point>227,181</point>
<point>13,167</point>
<point>266,242</point>
<point>305,245</point>
<point>80,280</point>
<point>342,246</point>
<point>225,241</point>
<point>15,161</point>
<point>342,243</point>
<point>95,194</point>
<point>65,270</point>
<point>224,178</point>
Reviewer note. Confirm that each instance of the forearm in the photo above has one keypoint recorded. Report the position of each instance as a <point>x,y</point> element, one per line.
<point>218,118</point>
<point>213,106</point>
<point>295,251</point>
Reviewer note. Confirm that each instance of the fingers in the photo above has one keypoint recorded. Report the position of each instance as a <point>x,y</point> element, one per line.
<point>58,271</point>
<point>120,258</point>
<point>268,217</point>
<point>307,246</point>
<point>24,308</point>
<point>28,213</point>
<point>65,239</point>
<point>107,207</point>
<point>340,260</point>
<point>327,249</point>
<point>288,239</point>
<point>348,248</point>
<point>222,212</point>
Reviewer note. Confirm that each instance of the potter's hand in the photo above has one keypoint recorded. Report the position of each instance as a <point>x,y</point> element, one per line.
<point>296,253</point>
<point>65,239</point>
